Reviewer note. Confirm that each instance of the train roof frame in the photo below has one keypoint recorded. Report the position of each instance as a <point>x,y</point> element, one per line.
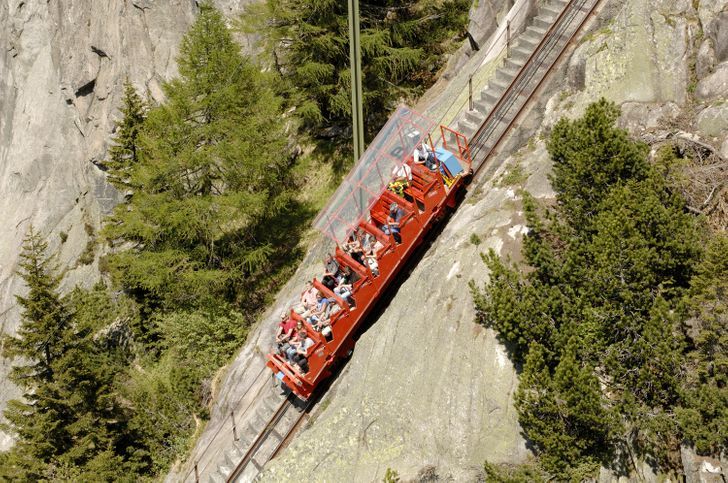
<point>370,176</point>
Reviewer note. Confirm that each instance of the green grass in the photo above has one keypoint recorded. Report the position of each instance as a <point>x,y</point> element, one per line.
<point>514,177</point>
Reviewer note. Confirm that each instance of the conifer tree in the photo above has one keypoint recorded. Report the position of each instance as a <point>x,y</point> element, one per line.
<point>704,412</point>
<point>40,338</point>
<point>211,177</point>
<point>590,155</point>
<point>610,265</point>
<point>402,45</point>
<point>562,414</point>
<point>38,419</point>
<point>69,413</point>
<point>124,152</point>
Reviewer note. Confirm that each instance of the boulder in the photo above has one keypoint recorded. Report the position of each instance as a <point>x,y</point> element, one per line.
<point>712,122</point>
<point>714,86</point>
<point>718,33</point>
<point>701,469</point>
<point>705,61</point>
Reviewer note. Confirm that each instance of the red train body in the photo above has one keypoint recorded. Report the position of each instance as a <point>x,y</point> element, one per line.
<point>362,205</point>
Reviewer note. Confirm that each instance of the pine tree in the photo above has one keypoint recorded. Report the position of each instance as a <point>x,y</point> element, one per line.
<point>703,416</point>
<point>212,179</point>
<point>563,414</point>
<point>69,413</point>
<point>610,265</point>
<point>402,43</point>
<point>124,152</point>
<point>591,155</point>
<point>39,419</point>
<point>40,338</point>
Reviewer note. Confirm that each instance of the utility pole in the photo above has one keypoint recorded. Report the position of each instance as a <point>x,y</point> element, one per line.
<point>357,113</point>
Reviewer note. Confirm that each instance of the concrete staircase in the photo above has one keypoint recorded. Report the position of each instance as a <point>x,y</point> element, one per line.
<point>469,122</point>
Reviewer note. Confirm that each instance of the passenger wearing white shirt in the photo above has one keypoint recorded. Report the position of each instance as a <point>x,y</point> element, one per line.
<point>424,154</point>
<point>402,172</point>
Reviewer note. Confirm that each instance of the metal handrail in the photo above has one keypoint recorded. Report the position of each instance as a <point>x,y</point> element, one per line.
<point>504,97</point>
<point>548,37</point>
<point>236,406</point>
<point>494,42</point>
<point>555,38</point>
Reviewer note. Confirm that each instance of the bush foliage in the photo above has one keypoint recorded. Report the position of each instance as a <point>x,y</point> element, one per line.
<point>619,304</point>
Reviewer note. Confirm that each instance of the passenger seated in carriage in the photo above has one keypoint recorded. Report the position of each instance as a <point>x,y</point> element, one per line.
<point>391,226</point>
<point>324,325</point>
<point>321,310</point>
<point>285,329</point>
<point>308,297</point>
<point>401,178</point>
<point>331,270</point>
<point>297,353</point>
<point>344,287</point>
<point>371,247</point>
<point>354,249</point>
<point>424,154</point>
<point>287,346</point>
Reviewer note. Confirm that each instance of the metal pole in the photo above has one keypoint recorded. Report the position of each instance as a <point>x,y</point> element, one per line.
<point>357,113</point>
<point>470,93</point>
<point>508,38</point>
<point>235,430</point>
<point>197,474</point>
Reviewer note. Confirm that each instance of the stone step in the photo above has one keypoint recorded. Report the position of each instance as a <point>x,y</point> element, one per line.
<point>538,31</point>
<point>560,3</point>
<point>489,96</point>
<point>217,478</point>
<point>512,64</point>
<point>467,128</point>
<point>483,106</point>
<point>542,22</point>
<point>521,53</point>
<point>232,457</point>
<point>549,11</point>
<point>474,117</point>
<point>498,86</point>
<point>506,75</point>
<point>225,470</point>
<point>529,40</point>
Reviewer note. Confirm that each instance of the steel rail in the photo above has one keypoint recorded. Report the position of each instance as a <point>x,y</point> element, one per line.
<point>496,108</point>
<point>285,437</point>
<point>526,75</point>
<point>498,114</point>
<point>255,380</point>
<point>286,404</point>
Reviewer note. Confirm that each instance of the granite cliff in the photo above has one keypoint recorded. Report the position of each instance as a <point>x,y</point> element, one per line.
<point>427,391</point>
<point>62,67</point>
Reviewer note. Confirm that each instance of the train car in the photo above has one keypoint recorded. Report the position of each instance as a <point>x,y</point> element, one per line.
<point>360,206</point>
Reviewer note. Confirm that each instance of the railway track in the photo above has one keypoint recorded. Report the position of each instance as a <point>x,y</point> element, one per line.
<point>275,436</point>
<point>540,61</point>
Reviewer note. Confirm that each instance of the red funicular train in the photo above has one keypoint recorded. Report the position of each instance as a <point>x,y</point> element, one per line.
<point>365,205</point>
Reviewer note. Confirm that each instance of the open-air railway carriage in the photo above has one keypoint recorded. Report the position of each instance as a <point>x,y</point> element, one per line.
<point>360,206</point>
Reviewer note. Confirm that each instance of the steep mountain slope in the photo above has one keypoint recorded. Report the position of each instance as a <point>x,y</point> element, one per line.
<point>61,73</point>
<point>426,391</point>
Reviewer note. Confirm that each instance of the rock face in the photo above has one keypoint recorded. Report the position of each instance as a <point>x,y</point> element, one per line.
<point>62,66</point>
<point>426,387</point>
